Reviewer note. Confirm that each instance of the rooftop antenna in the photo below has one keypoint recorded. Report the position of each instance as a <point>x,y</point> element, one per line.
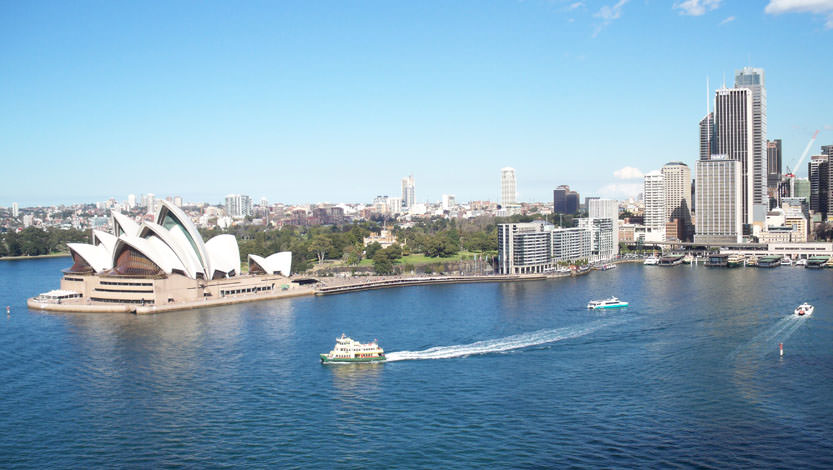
<point>724,80</point>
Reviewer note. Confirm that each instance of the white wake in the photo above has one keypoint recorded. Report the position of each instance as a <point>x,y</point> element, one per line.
<point>508,343</point>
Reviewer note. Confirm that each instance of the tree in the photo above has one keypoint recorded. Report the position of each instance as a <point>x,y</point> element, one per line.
<point>353,254</point>
<point>382,264</point>
<point>320,244</point>
<point>371,249</point>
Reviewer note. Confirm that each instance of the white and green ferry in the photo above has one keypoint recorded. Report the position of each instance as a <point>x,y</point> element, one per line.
<point>612,302</point>
<point>348,350</point>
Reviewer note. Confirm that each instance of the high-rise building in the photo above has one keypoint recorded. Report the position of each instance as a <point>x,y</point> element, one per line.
<point>827,150</point>
<point>408,192</point>
<point>15,209</point>
<point>508,189</point>
<point>773,167</point>
<point>606,209</point>
<point>604,240</point>
<point>818,172</point>
<point>654,197</point>
<point>752,79</point>
<point>536,247</point>
<point>178,201</point>
<point>677,180</point>
<point>238,205</point>
<point>801,188</point>
<point>448,202</point>
<point>734,139</point>
<point>131,201</point>
<point>707,136</point>
<point>719,201</point>
<point>565,201</point>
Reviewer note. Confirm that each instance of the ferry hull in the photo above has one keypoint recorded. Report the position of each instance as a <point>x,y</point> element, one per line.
<point>360,360</point>
<point>605,307</point>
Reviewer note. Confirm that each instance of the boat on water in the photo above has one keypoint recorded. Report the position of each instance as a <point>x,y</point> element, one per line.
<point>785,261</point>
<point>348,350</point>
<point>653,260</point>
<point>801,262</point>
<point>735,261</point>
<point>606,267</point>
<point>688,259</point>
<point>612,302</point>
<point>804,309</point>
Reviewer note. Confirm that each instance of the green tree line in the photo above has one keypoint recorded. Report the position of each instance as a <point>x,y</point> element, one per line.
<point>33,241</point>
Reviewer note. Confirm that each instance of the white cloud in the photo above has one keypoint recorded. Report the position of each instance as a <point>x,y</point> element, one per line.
<point>816,7</point>
<point>696,7</point>
<point>617,190</point>
<point>628,173</point>
<point>575,5</point>
<point>728,20</point>
<point>608,14</point>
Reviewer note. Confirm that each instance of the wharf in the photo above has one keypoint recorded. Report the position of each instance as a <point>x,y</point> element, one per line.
<point>383,283</point>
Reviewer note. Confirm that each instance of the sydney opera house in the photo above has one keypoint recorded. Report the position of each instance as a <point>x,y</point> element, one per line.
<point>161,263</point>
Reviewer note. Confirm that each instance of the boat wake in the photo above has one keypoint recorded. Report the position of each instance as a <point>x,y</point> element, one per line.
<point>780,332</point>
<point>508,343</point>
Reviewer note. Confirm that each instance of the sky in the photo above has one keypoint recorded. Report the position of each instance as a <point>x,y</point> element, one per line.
<point>335,101</point>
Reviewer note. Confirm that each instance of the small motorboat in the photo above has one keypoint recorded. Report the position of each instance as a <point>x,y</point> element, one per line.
<point>804,309</point>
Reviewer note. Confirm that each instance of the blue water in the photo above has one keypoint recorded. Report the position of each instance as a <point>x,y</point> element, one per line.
<point>507,375</point>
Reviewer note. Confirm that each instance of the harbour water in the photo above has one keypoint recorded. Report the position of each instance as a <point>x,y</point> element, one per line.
<point>512,375</point>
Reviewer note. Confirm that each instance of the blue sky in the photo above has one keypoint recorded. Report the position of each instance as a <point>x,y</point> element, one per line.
<point>336,101</point>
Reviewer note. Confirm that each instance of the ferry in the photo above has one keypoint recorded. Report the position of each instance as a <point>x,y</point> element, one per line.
<point>653,260</point>
<point>735,261</point>
<point>348,350</point>
<point>612,302</point>
<point>804,309</point>
<point>607,267</point>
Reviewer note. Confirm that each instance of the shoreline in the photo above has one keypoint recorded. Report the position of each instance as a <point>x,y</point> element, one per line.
<point>25,257</point>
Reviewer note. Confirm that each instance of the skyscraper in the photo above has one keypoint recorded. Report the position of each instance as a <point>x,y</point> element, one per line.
<point>734,139</point>
<point>677,181</point>
<point>719,201</point>
<point>606,209</point>
<point>408,190</point>
<point>15,210</point>
<point>818,171</point>
<point>565,201</point>
<point>753,79</point>
<point>828,151</point>
<point>773,167</point>
<point>654,195</point>
<point>707,136</point>
<point>508,192</point>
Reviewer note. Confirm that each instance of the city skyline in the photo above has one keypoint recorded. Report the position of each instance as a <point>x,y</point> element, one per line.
<point>290,103</point>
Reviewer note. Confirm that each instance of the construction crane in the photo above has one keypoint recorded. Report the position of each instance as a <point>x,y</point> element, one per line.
<point>791,172</point>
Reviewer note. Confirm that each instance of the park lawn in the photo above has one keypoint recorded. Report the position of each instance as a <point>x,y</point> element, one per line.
<point>417,259</point>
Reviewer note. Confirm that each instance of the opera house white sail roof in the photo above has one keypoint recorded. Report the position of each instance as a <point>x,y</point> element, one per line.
<point>171,244</point>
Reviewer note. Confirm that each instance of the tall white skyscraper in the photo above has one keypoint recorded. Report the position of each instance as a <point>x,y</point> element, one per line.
<point>718,190</point>
<point>448,201</point>
<point>734,140</point>
<point>131,201</point>
<point>654,197</point>
<point>677,180</point>
<point>15,209</point>
<point>508,187</point>
<point>753,79</point>
<point>408,192</point>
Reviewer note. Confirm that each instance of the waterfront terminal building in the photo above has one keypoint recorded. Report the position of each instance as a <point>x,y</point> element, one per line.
<point>161,263</point>
<point>538,247</point>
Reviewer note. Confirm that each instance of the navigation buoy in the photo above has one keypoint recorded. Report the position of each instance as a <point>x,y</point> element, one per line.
<point>781,348</point>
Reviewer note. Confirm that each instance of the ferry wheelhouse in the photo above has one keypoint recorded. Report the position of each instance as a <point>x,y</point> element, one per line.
<point>349,350</point>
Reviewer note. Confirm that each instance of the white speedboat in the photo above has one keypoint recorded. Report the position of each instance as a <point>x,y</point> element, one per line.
<point>651,261</point>
<point>785,261</point>
<point>801,262</point>
<point>612,302</point>
<point>804,309</point>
